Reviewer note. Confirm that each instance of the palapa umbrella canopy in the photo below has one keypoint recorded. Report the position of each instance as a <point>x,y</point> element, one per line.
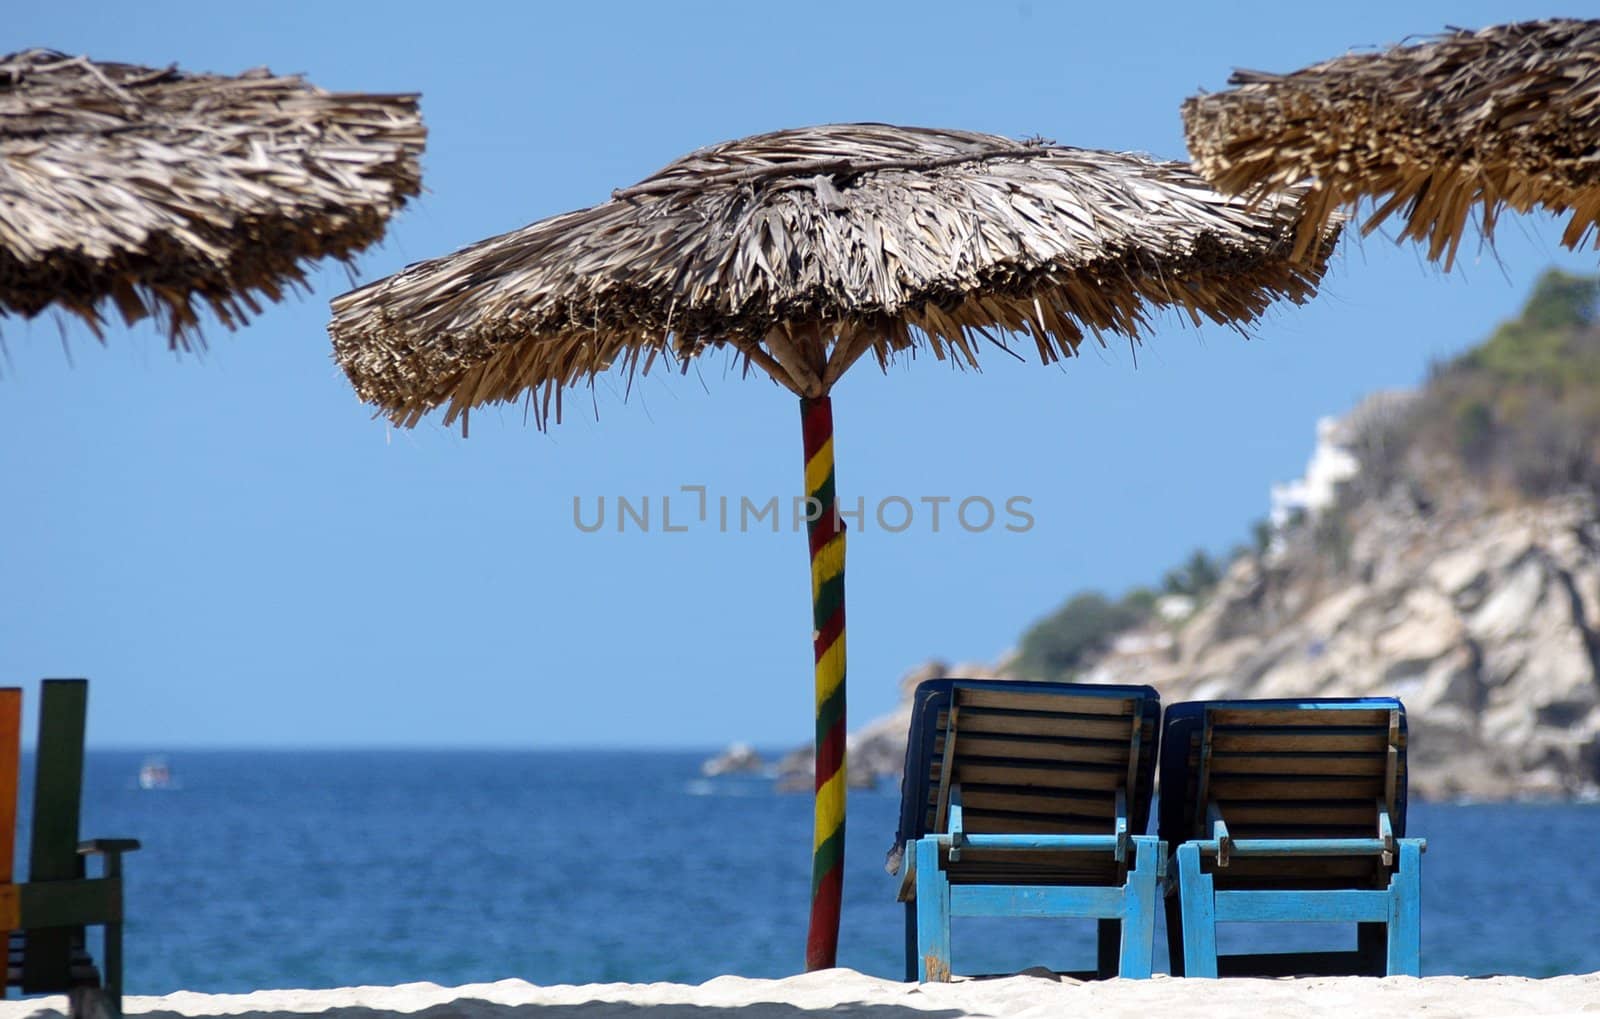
<point>152,189</point>
<point>1506,116</point>
<point>799,252</point>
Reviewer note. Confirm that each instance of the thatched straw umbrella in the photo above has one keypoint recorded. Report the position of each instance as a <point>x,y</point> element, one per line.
<point>800,252</point>
<point>1504,117</point>
<point>150,189</point>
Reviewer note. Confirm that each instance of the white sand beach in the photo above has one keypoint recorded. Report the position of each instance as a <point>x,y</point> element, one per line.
<point>850,995</point>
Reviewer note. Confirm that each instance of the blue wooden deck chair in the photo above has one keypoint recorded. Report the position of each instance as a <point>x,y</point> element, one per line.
<point>1290,810</point>
<point>1029,799</point>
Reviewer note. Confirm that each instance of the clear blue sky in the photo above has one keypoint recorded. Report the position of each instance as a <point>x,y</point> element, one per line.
<point>238,554</point>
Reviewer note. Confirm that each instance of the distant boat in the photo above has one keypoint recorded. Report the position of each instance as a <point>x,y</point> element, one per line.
<point>154,774</point>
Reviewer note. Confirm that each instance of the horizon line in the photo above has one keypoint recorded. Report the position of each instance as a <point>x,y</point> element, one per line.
<point>154,749</point>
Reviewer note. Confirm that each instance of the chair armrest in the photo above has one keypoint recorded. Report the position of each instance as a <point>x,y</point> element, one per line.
<point>1119,827</point>
<point>107,847</point>
<point>908,874</point>
<point>1298,847</point>
<point>1386,833</point>
<point>1219,833</point>
<point>958,832</point>
<point>1036,843</point>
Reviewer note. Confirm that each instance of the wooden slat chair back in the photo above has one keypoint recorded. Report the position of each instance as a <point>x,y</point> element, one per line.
<point>1020,785</point>
<point>1290,796</point>
<point>1306,774</point>
<point>1037,764</point>
<point>47,915</point>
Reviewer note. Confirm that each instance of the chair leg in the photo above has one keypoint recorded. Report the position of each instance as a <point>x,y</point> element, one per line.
<point>113,965</point>
<point>1108,948</point>
<point>92,1003</point>
<point>933,915</point>
<point>1199,914</point>
<point>1139,911</point>
<point>1174,933</point>
<point>911,941</point>
<point>1372,945</point>
<point>1405,912</point>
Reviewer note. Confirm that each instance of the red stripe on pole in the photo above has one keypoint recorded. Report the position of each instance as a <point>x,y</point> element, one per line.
<point>817,424</point>
<point>828,634</point>
<point>823,939</point>
<point>830,754</point>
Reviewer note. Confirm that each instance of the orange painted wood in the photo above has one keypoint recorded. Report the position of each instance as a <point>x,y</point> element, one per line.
<point>10,765</point>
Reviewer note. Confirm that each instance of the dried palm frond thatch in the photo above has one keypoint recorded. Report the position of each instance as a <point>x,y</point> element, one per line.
<point>152,188</point>
<point>1504,117</point>
<point>803,250</point>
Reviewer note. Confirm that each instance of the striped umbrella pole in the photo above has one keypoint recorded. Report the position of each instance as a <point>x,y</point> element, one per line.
<point>826,533</point>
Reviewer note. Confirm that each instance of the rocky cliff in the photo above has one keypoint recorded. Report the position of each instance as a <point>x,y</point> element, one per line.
<point>1487,626</point>
<point>1484,623</point>
<point>1444,547</point>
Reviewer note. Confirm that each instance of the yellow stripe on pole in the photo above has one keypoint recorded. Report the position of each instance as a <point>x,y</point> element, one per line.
<point>830,809</point>
<point>819,467</point>
<point>830,671</point>
<point>828,562</point>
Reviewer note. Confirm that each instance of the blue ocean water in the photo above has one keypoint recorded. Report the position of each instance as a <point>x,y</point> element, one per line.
<point>321,869</point>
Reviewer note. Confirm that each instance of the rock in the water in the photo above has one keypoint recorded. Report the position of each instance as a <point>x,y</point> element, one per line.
<point>738,759</point>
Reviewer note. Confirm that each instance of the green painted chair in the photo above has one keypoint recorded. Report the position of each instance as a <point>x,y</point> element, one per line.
<point>47,916</point>
<point>1030,799</point>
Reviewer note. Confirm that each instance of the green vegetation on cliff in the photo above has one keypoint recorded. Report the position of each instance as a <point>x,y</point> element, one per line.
<point>1062,642</point>
<point>1521,410</point>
